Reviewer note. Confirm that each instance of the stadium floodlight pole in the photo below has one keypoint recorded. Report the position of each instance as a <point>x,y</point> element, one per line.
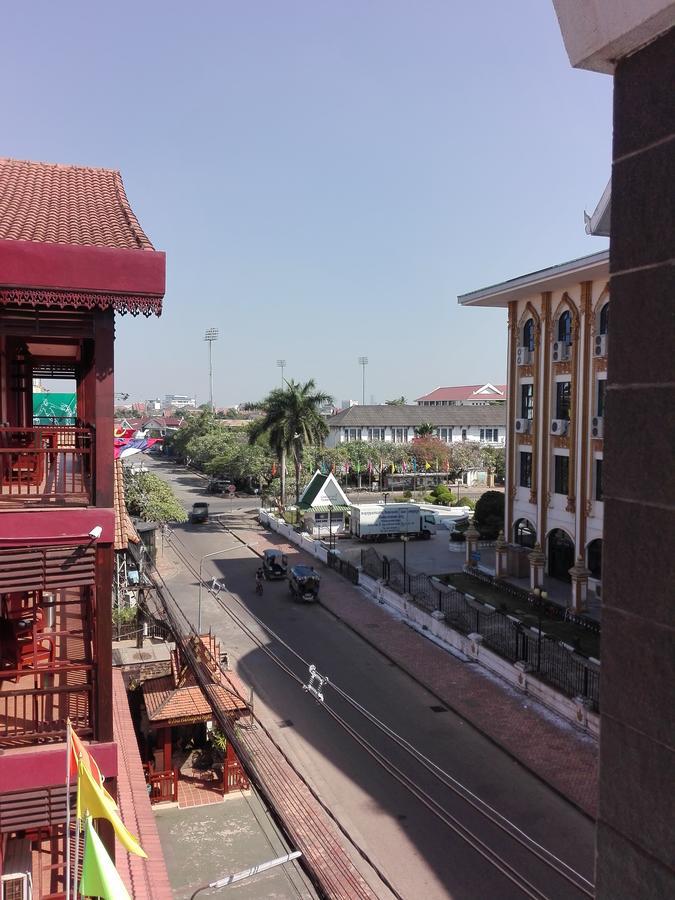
<point>281,364</point>
<point>363,361</point>
<point>211,336</point>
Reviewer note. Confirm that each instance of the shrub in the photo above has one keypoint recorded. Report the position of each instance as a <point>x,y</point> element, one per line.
<point>442,495</point>
<point>489,514</point>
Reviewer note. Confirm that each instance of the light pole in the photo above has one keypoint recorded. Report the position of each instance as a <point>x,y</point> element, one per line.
<point>210,336</point>
<point>363,362</point>
<point>281,364</point>
<point>201,561</point>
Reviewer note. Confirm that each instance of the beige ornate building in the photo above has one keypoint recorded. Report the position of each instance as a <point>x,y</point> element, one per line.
<point>557,367</point>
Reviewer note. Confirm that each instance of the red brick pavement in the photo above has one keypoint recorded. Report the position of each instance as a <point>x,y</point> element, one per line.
<point>556,752</point>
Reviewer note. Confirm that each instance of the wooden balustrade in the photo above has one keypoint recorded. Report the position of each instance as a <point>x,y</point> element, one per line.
<point>46,464</point>
<point>163,786</point>
<point>28,714</point>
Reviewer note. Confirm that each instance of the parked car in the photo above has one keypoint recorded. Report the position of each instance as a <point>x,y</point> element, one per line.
<point>218,485</point>
<point>303,583</point>
<point>200,513</point>
<point>275,564</point>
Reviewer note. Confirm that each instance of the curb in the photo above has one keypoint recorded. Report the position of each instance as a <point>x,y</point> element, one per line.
<point>403,667</point>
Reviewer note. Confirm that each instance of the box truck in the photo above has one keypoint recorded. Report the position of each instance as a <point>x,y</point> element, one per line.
<point>380,521</point>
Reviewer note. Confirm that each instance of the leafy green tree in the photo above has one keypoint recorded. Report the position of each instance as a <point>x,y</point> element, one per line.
<point>195,425</point>
<point>291,420</point>
<point>150,498</point>
<point>464,456</point>
<point>488,515</point>
<point>494,460</point>
<point>442,495</point>
<point>399,401</point>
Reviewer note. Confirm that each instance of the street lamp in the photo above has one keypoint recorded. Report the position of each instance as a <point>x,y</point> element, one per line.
<point>405,539</point>
<point>201,561</point>
<point>210,336</point>
<point>281,364</point>
<point>363,362</point>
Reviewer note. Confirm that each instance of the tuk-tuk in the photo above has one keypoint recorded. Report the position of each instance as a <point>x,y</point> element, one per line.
<point>275,564</point>
<point>303,583</point>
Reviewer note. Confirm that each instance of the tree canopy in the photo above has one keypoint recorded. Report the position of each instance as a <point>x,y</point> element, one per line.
<point>150,498</point>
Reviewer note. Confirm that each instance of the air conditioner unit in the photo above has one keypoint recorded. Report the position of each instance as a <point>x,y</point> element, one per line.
<point>561,351</point>
<point>559,426</point>
<point>16,880</point>
<point>523,426</point>
<point>523,356</point>
<point>600,345</point>
<point>597,424</point>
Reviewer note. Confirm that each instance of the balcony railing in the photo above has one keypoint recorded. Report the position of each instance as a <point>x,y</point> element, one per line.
<point>46,465</point>
<point>28,714</point>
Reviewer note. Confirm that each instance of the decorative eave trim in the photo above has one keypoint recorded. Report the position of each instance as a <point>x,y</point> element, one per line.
<point>121,303</point>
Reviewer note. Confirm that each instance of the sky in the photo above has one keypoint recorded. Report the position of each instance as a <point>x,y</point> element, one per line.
<point>325,177</point>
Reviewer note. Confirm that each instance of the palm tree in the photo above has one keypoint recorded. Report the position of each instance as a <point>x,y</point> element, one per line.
<point>292,421</point>
<point>426,429</point>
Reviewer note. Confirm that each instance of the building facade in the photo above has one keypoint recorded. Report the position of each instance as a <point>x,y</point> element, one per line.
<point>71,255</point>
<point>398,424</point>
<point>558,322</point>
<point>465,395</point>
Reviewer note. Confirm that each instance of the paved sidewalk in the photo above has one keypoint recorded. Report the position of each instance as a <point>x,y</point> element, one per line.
<point>555,751</point>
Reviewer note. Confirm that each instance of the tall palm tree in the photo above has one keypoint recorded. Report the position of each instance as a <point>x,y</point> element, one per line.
<point>292,421</point>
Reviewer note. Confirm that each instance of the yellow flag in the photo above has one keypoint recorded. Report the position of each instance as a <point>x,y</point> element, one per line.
<point>427,466</point>
<point>91,800</point>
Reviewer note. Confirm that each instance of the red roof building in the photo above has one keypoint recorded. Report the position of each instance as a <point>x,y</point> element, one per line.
<point>465,395</point>
<point>72,253</point>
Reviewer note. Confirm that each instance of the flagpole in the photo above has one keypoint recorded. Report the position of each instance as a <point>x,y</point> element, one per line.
<point>77,830</point>
<point>69,750</point>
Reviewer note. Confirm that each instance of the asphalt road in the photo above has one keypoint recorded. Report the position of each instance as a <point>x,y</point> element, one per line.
<point>418,852</point>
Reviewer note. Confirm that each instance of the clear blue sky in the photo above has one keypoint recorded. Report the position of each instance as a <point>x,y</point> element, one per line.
<point>325,177</point>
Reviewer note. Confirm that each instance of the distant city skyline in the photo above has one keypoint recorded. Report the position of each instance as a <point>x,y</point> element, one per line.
<point>325,179</point>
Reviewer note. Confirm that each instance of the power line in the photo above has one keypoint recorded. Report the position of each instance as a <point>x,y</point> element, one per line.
<point>481,806</point>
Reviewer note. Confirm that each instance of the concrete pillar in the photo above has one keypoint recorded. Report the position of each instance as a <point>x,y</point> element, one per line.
<point>537,560</point>
<point>472,534</point>
<point>501,556</point>
<point>579,574</point>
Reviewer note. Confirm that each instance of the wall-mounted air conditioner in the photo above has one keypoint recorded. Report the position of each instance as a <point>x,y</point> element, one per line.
<point>16,880</point>
<point>559,426</point>
<point>561,351</point>
<point>597,426</point>
<point>523,356</point>
<point>523,426</point>
<point>600,345</point>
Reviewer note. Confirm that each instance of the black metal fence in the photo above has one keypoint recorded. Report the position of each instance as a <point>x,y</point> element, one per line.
<point>345,568</point>
<point>568,671</point>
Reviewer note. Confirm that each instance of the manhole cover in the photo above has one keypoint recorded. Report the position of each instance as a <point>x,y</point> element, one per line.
<point>438,708</point>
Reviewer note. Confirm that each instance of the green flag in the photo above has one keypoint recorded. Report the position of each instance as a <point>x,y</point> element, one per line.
<point>100,878</point>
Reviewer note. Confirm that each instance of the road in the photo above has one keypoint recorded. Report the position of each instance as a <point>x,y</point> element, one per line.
<point>418,852</point>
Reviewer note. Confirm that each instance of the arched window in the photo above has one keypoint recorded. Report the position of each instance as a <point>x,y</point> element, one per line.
<point>604,319</point>
<point>565,327</point>
<point>594,562</point>
<point>560,555</point>
<point>528,335</point>
<point>524,533</point>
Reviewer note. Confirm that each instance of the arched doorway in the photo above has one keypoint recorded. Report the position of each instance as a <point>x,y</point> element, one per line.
<point>524,534</point>
<point>560,555</point>
<point>594,558</point>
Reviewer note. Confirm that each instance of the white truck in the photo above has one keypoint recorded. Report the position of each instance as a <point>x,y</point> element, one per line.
<point>380,521</point>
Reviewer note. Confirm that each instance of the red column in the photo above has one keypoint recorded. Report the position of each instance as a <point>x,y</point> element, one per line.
<point>167,748</point>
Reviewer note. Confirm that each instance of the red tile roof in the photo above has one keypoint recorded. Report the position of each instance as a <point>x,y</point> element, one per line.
<point>124,527</point>
<point>58,204</point>
<point>467,392</point>
<point>145,879</point>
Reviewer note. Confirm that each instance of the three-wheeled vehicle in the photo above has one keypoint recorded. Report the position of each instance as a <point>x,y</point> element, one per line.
<point>200,513</point>
<point>303,583</point>
<point>275,564</point>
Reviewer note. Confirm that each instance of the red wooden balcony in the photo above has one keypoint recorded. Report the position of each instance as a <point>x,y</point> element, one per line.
<point>46,466</point>
<point>46,666</point>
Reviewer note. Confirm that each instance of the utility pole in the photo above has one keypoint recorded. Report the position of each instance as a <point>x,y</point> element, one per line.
<point>211,336</point>
<point>363,362</point>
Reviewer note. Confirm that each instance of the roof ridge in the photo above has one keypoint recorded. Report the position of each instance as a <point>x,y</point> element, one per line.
<point>53,165</point>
